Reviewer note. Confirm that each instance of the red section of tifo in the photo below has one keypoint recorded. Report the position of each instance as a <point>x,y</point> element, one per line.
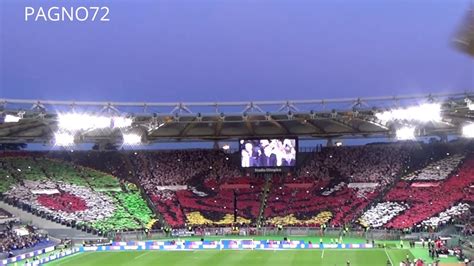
<point>63,202</point>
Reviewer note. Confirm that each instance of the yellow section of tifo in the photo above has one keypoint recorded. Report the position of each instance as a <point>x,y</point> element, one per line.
<point>150,224</point>
<point>196,218</point>
<point>321,218</point>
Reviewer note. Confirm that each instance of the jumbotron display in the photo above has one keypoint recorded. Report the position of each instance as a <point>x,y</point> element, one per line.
<point>268,152</point>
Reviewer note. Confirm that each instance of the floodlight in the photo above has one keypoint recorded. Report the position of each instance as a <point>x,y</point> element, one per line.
<point>468,131</point>
<point>406,133</point>
<point>470,105</point>
<point>122,122</point>
<point>63,139</point>
<point>76,121</point>
<point>12,119</point>
<point>422,113</point>
<point>132,139</point>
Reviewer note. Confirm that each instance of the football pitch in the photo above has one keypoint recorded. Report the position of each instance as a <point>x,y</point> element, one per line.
<point>373,257</point>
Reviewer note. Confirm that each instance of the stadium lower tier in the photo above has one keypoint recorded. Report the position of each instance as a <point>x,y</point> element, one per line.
<point>425,203</point>
<point>73,195</point>
<point>316,204</point>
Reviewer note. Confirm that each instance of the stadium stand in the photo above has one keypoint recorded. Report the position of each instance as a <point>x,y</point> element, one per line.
<point>427,199</point>
<point>214,200</point>
<point>164,172</point>
<point>73,195</point>
<point>438,170</point>
<point>14,238</point>
<point>379,185</point>
<point>4,214</point>
<point>327,175</point>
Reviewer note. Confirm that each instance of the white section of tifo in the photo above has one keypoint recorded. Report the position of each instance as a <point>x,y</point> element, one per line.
<point>53,228</point>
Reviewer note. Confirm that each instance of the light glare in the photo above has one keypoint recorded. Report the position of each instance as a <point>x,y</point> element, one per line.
<point>76,121</point>
<point>422,113</point>
<point>63,139</point>
<point>406,133</point>
<point>122,122</point>
<point>470,105</point>
<point>132,139</point>
<point>468,131</point>
<point>12,119</point>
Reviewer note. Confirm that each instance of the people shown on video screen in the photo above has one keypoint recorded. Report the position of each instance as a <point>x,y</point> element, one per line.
<point>268,153</point>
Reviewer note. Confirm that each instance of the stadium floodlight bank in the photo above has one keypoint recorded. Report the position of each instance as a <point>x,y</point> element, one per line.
<point>30,121</point>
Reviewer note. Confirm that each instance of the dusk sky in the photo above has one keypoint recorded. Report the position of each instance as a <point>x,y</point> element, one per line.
<point>227,50</point>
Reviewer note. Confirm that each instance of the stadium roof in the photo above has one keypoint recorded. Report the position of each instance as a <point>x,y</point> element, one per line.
<point>341,118</point>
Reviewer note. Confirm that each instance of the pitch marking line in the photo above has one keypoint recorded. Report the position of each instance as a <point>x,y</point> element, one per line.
<point>388,256</point>
<point>139,256</point>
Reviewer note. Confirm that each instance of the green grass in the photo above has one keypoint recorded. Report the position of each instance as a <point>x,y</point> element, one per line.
<point>376,257</point>
<point>316,257</point>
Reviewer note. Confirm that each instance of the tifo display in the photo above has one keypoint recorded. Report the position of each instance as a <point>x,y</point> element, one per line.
<point>332,187</point>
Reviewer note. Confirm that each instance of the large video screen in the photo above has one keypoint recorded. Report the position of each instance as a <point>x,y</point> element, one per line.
<point>268,152</point>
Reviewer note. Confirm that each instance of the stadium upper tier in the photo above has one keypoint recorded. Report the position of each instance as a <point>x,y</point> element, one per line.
<point>66,123</point>
<point>398,185</point>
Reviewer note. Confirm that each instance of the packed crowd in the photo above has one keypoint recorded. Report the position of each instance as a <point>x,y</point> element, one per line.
<point>200,187</point>
<point>437,170</point>
<point>73,195</point>
<point>163,174</point>
<point>4,214</point>
<point>330,174</point>
<point>428,201</point>
<point>14,237</point>
<point>307,203</point>
<point>446,216</point>
<point>62,202</point>
<point>177,167</point>
<point>370,163</point>
<point>216,199</point>
<point>381,213</point>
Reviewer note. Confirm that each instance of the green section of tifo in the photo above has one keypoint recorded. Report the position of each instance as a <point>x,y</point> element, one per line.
<point>6,181</point>
<point>135,204</point>
<point>131,213</point>
<point>44,169</point>
<point>131,210</point>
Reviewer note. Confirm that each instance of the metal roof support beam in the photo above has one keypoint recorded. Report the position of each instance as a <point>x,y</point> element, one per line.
<point>180,108</point>
<point>24,128</point>
<point>373,123</point>
<point>186,129</point>
<point>278,124</point>
<point>342,124</point>
<point>288,106</point>
<point>218,128</point>
<point>311,123</point>
<point>249,127</point>
<point>252,107</point>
